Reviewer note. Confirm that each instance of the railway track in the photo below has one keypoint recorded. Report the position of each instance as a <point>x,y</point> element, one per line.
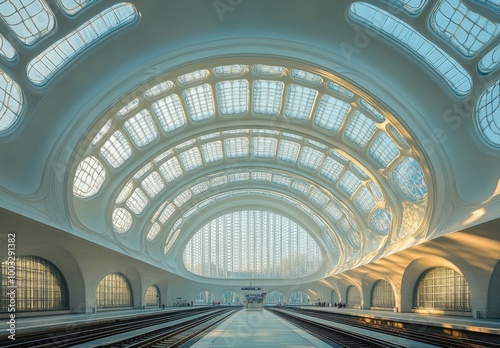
<point>417,334</point>
<point>335,336</point>
<point>85,333</point>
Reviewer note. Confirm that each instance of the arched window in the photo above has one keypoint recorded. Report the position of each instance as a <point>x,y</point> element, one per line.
<point>334,297</point>
<point>382,295</point>
<point>274,298</point>
<point>152,296</point>
<point>299,298</point>
<point>442,288</point>
<point>40,285</point>
<point>113,291</point>
<point>353,297</point>
<point>204,298</point>
<point>229,297</point>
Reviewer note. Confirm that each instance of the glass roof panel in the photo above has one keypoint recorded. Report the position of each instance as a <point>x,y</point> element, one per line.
<point>380,221</point>
<point>200,188</point>
<point>218,181</point>
<point>199,102</point>
<point>191,159</point>
<point>399,137</point>
<point>153,184</point>
<point>281,180</point>
<point>364,200</point>
<point>89,177</point>
<point>238,177</point>
<point>267,97</point>
<point>11,101</point>
<point>29,20</point>
<point>102,132</point>
<point>464,29</point>
<point>378,115</point>
<point>163,155</point>
<point>121,220</point>
<point>360,171</point>
<point>212,152</point>
<point>413,7</point>
<point>137,201</point>
<point>194,76</point>
<point>169,112</point>
<point>349,183</point>
<point>299,101</point>
<point>339,90</point>
<point>305,76</point>
<point>129,107</point>
<point>331,169</point>
<point>490,61</point>
<point>333,211</point>
<point>383,150</point>
<point>318,197</point>
<point>171,169</point>
<point>331,113</point>
<point>41,68</point>
<point>264,147</point>
<point>141,172</point>
<point>171,241</point>
<point>236,147</point>
<point>183,198</point>
<point>231,70</point>
<point>153,232</point>
<point>141,128</point>
<point>344,226</point>
<point>487,115</point>
<point>6,49</point>
<point>252,244</point>
<point>233,96</point>
<point>261,176</point>
<point>453,74</point>
<point>159,89</point>
<point>72,7</point>
<point>116,150</point>
<point>410,179</point>
<point>270,70</point>
<point>377,191</point>
<point>166,213</point>
<point>360,129</point>
<point>125,192</point>
<point>354,239</point>
<point>311,158</point>
<point>301,187</point>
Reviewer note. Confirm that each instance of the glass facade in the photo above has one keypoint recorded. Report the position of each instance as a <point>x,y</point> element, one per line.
<point>442,288</point>
<point>252,244</point>
<point>40,285</point>
<point>229,297</point>
<point>204,298</point>
<point>274,298</point>
<point>382,295</point>
<point>152,298</point>
<point>113,291</point>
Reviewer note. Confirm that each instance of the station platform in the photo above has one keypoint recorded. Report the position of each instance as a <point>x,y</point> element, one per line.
<point>257,328</point>
<point>67,321</point>
<point>488,326</point>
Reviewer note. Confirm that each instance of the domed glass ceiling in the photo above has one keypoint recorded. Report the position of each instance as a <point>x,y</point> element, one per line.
<point>309,136</point>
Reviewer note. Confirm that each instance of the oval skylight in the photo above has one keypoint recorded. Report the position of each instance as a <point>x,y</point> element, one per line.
<point>487,115</point>
<point>11,101</point>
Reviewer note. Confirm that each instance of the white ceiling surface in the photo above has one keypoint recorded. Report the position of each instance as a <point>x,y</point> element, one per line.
<point>39,156</point>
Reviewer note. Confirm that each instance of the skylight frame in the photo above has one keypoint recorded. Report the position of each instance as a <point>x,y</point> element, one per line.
<point>50,61</point>
<point>11,102</point>
<point>453,74</point>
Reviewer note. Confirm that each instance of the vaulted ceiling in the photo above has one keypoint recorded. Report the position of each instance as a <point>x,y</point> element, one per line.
<point>240,134</point>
